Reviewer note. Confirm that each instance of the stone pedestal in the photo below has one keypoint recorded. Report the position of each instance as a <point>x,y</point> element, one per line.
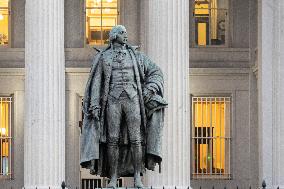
<point>44,94</point>
<point>165,39</point>
<point>271,92</point>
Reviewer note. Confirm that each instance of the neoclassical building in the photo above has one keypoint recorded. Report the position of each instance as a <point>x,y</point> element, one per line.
<point>224,75</point>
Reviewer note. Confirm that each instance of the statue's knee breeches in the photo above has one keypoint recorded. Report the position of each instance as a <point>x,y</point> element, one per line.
<point>113,135</point>
<point>128,109</point>
<point>113,113</point>
<point>133,120</point>
<point>111,141</point>
<point>134,133</point>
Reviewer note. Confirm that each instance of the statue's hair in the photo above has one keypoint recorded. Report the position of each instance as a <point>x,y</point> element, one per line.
<point>114,31</point>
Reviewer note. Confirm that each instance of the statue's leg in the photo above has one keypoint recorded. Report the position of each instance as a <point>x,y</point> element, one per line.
<point>113,155</point>
<point>133,119</point>
<point>136,150</point>
<point>114,114</point>
<point>92,169</point>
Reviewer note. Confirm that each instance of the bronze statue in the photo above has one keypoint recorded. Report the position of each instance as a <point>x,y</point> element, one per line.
<point>123,112</point>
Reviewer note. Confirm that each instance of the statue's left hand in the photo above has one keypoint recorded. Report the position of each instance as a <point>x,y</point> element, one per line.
<point>147,94</point>
<point>151,164</point>
<point>96,114</point>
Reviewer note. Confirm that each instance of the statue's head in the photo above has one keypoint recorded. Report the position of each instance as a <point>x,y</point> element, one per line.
<point>118,34</point>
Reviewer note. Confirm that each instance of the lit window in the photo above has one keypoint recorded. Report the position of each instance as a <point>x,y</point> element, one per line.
<point>4,22</point>
<point>5,136</point>
<point>211,137</point>
<point>210,22</point>
<point>101,16</point>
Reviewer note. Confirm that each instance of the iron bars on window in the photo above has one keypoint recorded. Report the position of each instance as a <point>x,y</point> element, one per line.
<point>211,137</point>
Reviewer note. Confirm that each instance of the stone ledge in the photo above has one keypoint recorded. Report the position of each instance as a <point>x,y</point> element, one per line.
<point>218,71</point>
<point>219,54</point>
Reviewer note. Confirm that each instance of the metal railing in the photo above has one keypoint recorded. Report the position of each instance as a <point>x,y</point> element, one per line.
<point>98,183</point>
<point>263,186</point>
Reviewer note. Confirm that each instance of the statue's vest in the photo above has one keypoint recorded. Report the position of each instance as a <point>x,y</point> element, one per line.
<point>122,77</point>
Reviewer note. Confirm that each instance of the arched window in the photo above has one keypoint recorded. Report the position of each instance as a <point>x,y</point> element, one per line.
<point>4,22</point>
<point>101,16</point>
<point>211,22</point>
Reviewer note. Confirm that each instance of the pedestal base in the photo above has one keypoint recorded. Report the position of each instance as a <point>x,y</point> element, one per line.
<point>155,187</point>
<point>43,187</point>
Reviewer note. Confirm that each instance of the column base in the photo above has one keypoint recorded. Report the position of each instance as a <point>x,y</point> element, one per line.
<point>280,186</point>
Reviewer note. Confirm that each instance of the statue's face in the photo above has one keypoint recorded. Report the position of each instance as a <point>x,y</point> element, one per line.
<point>121,37</point>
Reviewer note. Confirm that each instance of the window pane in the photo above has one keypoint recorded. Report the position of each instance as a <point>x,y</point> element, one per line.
<point>101,16</point>
<point>109,3</point>
<point>201,13</point>
<point>210,22</point>
<point>93,3</point>
<point>107,24</point>
<point>5,136</point>
<point>4,22</point>
<point>93,30</point>
<point>211,137</point>
<point>218,26</point>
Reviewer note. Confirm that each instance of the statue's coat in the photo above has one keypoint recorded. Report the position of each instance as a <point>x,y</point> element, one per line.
<point>94,132</point>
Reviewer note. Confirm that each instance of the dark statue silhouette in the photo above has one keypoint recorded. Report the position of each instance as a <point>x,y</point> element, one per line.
<point>123,112</point>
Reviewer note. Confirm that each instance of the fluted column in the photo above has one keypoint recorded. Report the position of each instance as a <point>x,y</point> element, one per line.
<point>44,94</point>
<point>271,92</point>
<point>165,39</point>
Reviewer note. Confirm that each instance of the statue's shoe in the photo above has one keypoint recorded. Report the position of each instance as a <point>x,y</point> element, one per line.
<point>92,171</point>
<point>138,184</point>
<point>112,184</point>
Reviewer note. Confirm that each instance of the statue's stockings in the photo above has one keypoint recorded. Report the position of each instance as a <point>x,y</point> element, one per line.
<point>113,155</point>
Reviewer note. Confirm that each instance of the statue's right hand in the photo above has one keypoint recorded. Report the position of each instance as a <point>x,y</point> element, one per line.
<point>96,114</point>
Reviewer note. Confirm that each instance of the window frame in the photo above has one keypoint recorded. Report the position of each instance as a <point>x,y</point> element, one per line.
<point>11,147</point>
<point>9,26</point>
<point>230,159</point>
<point>227,30</point>
<point>84,25</point>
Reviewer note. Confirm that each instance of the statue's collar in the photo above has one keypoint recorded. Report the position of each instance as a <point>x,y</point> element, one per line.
<point>109,47</point>
<point>118,47</point>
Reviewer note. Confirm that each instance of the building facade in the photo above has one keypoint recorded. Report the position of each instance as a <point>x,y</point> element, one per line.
<point>223,75</point>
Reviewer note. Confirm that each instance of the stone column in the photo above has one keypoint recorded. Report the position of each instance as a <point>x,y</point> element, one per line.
<point>44,94</point>
<point>165,39</point>
<point>271,92</point>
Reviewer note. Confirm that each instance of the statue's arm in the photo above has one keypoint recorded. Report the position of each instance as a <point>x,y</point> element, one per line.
<point>93,89</point>
<point>96,87</point>
<point>153,76</point>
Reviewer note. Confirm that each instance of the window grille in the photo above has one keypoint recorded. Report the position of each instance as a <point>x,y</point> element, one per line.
<point>211,137</point>
<point>98,183</point>
<point>101,16</point>
<point>5,137</point>
<point>211,22</point>
<point>4,22</point>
